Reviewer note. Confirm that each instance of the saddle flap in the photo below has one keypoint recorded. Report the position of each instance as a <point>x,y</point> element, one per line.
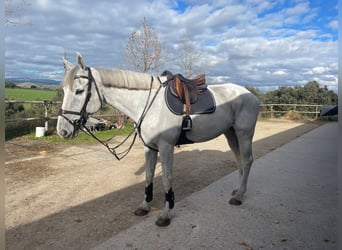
<point>205,103</point>
<point>187,90</point>
<point>179,89</point>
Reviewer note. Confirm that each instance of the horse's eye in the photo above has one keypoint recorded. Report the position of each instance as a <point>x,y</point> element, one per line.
<point>79,91</point>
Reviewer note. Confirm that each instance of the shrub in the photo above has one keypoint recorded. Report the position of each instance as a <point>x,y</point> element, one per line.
<point>294,115</point>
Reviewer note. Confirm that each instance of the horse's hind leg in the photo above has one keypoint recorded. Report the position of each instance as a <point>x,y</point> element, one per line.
<point>150,165</point>
<point>233,143</point>
<point>246,160</point>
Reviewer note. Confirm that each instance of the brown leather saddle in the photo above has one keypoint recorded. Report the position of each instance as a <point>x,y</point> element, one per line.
<point>187,90</point>
<point>188,96</point>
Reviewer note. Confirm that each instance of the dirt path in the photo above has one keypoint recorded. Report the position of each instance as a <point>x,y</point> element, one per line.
<point>75,197</point>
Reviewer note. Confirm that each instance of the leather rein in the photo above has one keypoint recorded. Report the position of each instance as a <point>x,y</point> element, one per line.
<point>84,116</point>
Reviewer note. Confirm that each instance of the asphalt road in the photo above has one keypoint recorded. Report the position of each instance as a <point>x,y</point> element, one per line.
<point>291,203</point>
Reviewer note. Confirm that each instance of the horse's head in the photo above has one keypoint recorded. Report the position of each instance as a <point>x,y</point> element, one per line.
<point>81,98</point>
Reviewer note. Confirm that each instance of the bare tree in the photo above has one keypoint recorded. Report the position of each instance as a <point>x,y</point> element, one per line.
<point>13,10</point>
<point>143,49</point>
<point>189,57</point>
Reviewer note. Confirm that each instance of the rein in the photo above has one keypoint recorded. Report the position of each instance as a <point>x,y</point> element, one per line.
<point>146,109</point>
<point>112,150</point>
<point>84,115</point>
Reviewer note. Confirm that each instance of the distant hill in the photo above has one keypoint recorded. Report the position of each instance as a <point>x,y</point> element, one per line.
<point>43,81</point>
<point>34,83</point>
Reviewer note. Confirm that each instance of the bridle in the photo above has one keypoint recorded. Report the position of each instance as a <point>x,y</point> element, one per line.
<point>84,116</point>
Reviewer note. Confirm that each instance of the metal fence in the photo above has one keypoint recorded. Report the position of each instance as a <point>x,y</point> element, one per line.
<point>279,110</point>
<point>50,112</point>
<point>269,110</point>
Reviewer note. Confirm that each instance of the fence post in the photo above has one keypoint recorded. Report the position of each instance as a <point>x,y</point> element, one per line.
<point>316,114</point>
<point>271,111</point>
<point>46,115</point>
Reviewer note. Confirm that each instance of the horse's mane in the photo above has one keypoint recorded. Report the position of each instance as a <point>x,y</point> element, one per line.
<point>125,79</point>
<point>68,80</point>
<point>117,78</point>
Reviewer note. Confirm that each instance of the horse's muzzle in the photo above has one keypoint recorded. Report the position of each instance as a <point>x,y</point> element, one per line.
<point>63,133</point>
<point>68,134</point>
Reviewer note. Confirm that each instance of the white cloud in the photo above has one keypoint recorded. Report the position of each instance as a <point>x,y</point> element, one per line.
<point>44,4</point>
<point>333,24</point>
<point>319,70</point>
<point>279,73</point>
<point>246,42</point>
<point>299,9</point>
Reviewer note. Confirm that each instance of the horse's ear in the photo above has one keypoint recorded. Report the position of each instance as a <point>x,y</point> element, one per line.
<point>67,65</point>
<point>80,61</point>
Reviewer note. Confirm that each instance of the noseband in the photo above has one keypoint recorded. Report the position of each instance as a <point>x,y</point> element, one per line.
<point>84,115</point>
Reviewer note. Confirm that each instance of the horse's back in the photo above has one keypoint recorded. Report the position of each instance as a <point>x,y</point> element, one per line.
<point>238,102</point>
<point>233,93</point>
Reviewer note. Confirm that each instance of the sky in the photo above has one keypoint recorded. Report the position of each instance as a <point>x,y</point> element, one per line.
<point>259,43</point>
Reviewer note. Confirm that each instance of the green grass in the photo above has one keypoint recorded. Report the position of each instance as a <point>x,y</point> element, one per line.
<point>29,94</point>
<point>83,137</point>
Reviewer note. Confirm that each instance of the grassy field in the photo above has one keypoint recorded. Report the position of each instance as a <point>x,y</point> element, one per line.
<point>29,94</point>
<point>83,137</point>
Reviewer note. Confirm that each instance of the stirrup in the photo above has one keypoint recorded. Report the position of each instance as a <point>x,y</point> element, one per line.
<point>187,123</point>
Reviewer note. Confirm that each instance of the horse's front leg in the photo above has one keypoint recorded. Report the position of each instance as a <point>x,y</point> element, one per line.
<point>166,156</point>
<point>150,166</point>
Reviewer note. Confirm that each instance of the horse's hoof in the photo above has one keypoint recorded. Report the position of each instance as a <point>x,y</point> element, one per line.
<point>162,222</point>
<point>235,202</point>
<point>234,192</point>
<point>140,212</point>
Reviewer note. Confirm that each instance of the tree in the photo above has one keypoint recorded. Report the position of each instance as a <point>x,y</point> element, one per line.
<point>256,92</point>
<point>188,56</point>
<point>310,93</point>
<point>13,10</point>
<point>9,84</point>
<point>143,49</point>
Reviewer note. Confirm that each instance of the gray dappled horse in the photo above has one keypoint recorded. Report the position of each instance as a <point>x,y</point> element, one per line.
<point>235,116</point>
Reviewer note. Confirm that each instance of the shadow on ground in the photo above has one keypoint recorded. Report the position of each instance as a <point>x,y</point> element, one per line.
<point>71,229</point>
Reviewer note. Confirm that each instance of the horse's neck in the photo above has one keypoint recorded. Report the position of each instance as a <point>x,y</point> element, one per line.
<point>129,102</point>
<point>120,89</point>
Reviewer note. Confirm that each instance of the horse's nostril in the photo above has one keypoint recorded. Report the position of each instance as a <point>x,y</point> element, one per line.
<point>63,133</point>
